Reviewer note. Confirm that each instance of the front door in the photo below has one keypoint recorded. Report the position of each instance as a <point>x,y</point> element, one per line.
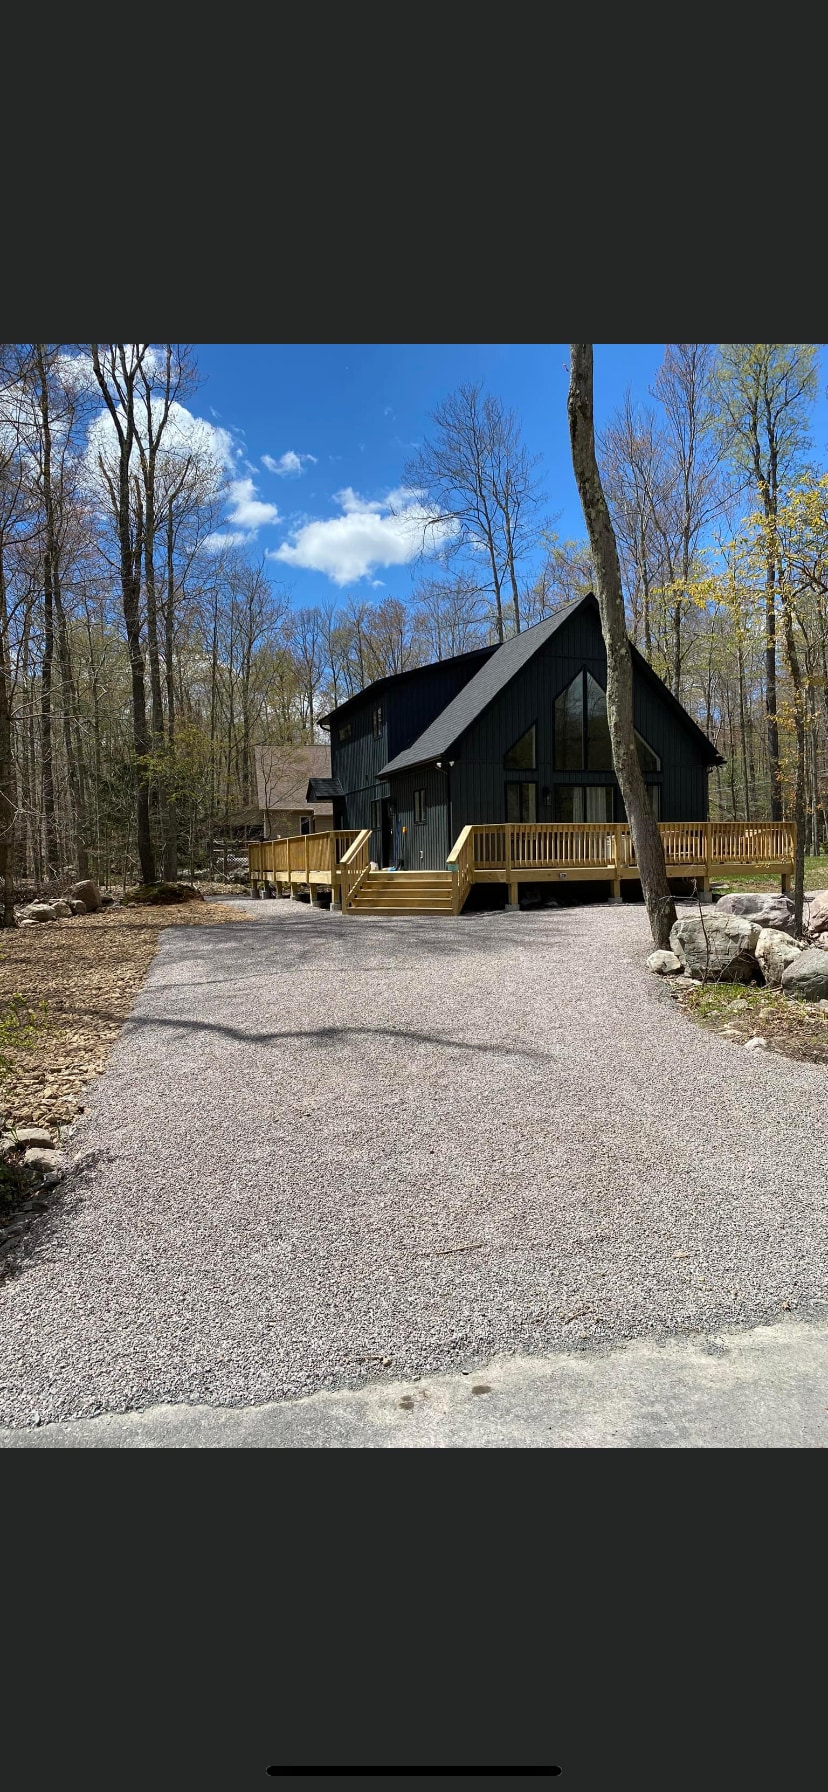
<point>387,833</point>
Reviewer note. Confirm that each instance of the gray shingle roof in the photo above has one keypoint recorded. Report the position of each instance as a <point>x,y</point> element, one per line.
<point>441,734</point>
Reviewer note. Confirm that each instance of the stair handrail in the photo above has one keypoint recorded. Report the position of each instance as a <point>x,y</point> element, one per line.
<point>460,863</point>
<point>353,867</point>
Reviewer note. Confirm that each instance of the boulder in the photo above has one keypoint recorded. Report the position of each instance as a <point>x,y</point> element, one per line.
<point>716,948</point>
<point>161,895</point>
<point>39,911</point>
<point>77,906</point>
<point>88,893</point>
<point>807,976</point>
<point>28,1135</point>
<point>107,901</point>
<point>774,952</point>
<point>815,913</point>
<point>38,1158</point>
<point>664,964</point>
<point>61,910</point>
<point>767,909</point>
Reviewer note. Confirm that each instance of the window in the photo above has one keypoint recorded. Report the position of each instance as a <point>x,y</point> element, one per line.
<point>647,759</point>
<point>521,802</point>
<point>304,824</point>
<point>584,802</point>
<point>521,757</point>
<point>582,736</point>
<point>599,746</point>
<point>377,719</point>
<point>419,805</point>
<point>569,727</point>
<point>376,815</point>
<point>344,732</point>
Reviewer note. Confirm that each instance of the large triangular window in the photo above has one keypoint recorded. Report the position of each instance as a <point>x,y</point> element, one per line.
<point>521,757</point>
<point>582,736</point>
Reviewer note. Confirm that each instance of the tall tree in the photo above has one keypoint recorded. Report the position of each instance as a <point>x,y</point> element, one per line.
<point>649,850</point>
<point>117,367</point>
<point>480,492</point>
<point>765,392</point>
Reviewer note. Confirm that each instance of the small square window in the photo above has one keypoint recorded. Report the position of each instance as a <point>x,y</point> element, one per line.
<point>419,805</point>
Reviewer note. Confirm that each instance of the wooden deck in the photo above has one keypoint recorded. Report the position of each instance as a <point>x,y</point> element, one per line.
<point>594,851</point>
<point>514,853</point>
<point>300,861</point>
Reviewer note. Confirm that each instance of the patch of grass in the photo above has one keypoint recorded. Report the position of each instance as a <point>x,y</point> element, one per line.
<point>796,1029</point>
<point>816,878</point>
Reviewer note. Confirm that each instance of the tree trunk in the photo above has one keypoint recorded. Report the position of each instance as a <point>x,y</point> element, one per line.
<point>649,850</point>
<point>799,788</point>
<point>8,778</point>
<point>123,417</point>
<point>171,840</point>
<point>71,739</point>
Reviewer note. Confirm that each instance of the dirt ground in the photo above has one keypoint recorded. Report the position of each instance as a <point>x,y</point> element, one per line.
<point>78,979</point>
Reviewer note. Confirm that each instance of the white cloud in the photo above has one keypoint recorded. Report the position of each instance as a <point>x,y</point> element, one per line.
<point>248,511</point>
<point>230,538</point>
<point>184,434</point>
<point>288,465</point>
<point>370,533</point>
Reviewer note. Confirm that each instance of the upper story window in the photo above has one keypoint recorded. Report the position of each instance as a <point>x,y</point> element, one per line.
<point>569,727</point>
<point>377,717</point>
<point>582,736</point>
<point>419,805</point>
<point>344,732</point>
<point>521,757</point>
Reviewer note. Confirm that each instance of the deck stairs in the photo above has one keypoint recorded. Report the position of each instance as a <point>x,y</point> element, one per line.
<point>403,893</point>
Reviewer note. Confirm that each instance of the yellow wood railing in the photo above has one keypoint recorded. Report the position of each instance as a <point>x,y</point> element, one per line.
<point>299,858</point>
<point>353,867</point>
<point>461,865</point>
<point>521,846</point>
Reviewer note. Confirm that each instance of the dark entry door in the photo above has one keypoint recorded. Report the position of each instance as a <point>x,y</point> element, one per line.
<point>387,832</point>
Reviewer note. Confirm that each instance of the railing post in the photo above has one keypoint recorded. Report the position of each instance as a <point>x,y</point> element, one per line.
<point>616,882</point>
<point>512,881</point>
<point>708,858</point>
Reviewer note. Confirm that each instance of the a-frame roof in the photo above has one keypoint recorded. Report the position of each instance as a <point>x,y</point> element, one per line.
<point>441,735</point>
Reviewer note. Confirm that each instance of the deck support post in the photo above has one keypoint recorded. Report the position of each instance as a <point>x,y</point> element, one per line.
<point>513,894</point>
<point>786,883</point>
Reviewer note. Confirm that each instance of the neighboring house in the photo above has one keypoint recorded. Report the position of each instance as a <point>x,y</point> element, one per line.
<point>512,733</point>
<point>282,775</point>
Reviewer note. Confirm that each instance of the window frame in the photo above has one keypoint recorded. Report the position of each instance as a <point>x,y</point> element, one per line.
<point>377,721</point>
<point>533,765</point>
<point>520,784</point>
<point>343,733</point>
<point>421,806</point>
<point>585,674</point>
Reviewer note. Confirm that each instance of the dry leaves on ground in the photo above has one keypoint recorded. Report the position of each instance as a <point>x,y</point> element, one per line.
<point>796,1029</point>
<point>88,972</point>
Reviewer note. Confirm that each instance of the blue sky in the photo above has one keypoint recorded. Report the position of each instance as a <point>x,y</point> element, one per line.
<point>320,436</point>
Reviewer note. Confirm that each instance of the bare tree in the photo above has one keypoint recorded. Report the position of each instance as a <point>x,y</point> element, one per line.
<point>649,850</point>
<point>117,367</point>
<point>480,492</point>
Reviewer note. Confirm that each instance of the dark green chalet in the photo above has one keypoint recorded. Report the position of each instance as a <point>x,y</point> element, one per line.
<point>514,733</point>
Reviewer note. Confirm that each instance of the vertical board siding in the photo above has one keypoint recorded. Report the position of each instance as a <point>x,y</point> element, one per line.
<point>474,791</point>
<point>408,707</point>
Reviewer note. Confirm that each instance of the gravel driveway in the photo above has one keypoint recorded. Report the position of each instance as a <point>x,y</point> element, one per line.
<point>326,1150</point>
